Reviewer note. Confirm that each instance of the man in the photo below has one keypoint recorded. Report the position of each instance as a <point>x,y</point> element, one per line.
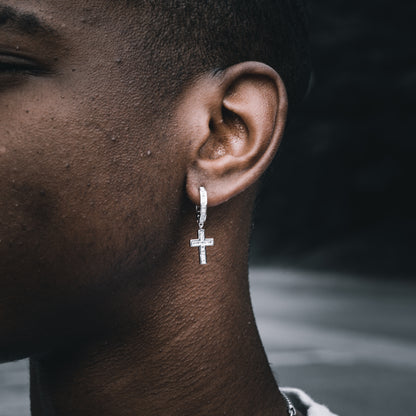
<point>114,114</point>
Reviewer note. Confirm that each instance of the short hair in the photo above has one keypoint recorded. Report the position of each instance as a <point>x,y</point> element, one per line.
<point>188,37</point>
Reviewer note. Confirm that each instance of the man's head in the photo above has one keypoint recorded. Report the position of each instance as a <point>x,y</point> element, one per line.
<point>112,115</point>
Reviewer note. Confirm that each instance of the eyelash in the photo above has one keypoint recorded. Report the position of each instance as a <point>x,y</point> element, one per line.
<point>10,68</point>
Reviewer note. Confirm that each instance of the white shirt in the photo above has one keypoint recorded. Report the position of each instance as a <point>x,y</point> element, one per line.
<point>305,404</point>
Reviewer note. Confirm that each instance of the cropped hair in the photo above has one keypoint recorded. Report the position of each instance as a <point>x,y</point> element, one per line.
<point>189,37</point>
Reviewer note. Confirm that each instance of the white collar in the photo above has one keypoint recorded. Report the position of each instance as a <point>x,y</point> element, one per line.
<point>305,404</point>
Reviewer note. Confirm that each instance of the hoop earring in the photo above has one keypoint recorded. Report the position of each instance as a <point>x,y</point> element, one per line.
<point>201,215</point>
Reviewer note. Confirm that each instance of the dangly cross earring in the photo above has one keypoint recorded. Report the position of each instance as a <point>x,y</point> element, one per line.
<point>202,242</point>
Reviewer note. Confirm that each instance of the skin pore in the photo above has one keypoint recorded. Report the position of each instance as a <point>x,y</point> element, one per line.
<point>98,284</point>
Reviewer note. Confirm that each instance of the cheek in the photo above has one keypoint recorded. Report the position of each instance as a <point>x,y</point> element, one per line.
<point>81,204</point>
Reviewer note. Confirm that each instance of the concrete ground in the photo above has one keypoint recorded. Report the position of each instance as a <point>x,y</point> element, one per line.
<point>349,342</point>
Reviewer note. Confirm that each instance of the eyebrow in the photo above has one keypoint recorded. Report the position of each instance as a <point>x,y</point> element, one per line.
<point>25,22</point>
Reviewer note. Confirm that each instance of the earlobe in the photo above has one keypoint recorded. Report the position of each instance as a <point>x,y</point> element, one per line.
<point>243,126</point>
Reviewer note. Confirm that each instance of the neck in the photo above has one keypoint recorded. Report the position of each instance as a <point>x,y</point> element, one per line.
<point>188,345</point>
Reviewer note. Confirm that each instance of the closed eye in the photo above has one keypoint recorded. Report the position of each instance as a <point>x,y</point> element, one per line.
<point>14,65</point>
<point>16,69</point>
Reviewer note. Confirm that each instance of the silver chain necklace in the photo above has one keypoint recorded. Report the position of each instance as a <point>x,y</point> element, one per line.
<point>290,408</point>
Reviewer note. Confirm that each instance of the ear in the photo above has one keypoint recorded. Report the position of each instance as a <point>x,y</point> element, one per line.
<point>236,120</point>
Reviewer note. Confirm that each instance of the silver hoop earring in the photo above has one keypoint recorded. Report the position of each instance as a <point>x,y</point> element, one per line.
<point>201,214</point>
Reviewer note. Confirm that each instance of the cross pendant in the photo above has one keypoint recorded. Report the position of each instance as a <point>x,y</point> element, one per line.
<point>202,243</point>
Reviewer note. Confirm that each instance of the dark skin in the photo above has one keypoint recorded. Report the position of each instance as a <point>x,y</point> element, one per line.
<point>98,283</point>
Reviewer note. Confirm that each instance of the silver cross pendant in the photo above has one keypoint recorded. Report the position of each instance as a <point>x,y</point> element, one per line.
<point>202,243</point>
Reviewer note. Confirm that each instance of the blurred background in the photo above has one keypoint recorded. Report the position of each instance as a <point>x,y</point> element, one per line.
<point>336,221</point>
<point>333,276</point>
<point>341,194</point>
